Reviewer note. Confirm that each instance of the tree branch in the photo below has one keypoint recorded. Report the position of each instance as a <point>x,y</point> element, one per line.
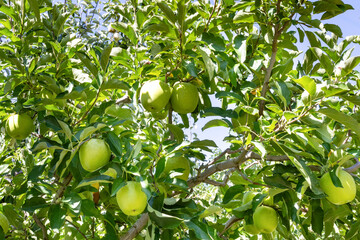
<point>61,190</point>
<point>77,228</point>
<point>41,225</point>
<point>354,167</point>
<point>229,224</point>
<point>137,227</point>
<point>211,15</point>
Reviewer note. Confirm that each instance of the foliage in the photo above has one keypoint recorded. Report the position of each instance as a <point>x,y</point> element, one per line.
<point>61,65</point>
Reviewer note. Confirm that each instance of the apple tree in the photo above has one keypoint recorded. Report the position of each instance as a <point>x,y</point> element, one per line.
<point>100,99</point>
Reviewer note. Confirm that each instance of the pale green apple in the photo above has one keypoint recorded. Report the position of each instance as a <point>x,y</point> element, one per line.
<point>131,199</point>
<point>19,126</point>
<point>265,219</point>
<point>251,229</point>
<point>178,163</point>
<point>4,223</point>
<point>154,95</point>
<point>94,154</point>
<point>184,98</point>
<point>338,195</point>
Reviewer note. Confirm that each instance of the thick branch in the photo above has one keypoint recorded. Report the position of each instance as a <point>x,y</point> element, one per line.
<point>137,227</point>
<point>41,225</point>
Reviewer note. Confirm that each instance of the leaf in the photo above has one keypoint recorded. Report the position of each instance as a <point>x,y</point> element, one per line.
<point>348,65</point>
<point>317,216</point>
<point>215,123</point>
<point>163,220</point>
<point>36,172</point>
<point>135,151</point>
<point>244,17</point>
<point>324,60</point>
<point>114,144</point>
<point>334,29</point>
<point>277,181</point>
<point>232,192</point>
<point>214,41</point>
<point>202,143</point>
<point>167,11</point>
<point>87,62</point>
<point>308,84</point>
<point>52,123</point>
<point>199,228</point>
<point>177,131</point>
<point>105,55</point>
<point>240,46</point>
<point>220,112</point>
<point>119,112</point>
<point>353,231</point>
<point>342,118</point>
<point>88,208</point>
<point>34,203</point>
<point>210,66</point>
<point>35,8</point>
<point>115,83</point>
<point>56,216</point>
<point>90,130</point>
<point>96,179</point>
<point>210,211</point>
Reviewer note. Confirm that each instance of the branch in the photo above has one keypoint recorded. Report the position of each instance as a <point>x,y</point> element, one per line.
<point>225,180</point>
<point>251,181</point>
<point>211,15</point>
<point>354,167</point>
<point>41,225</point>
<point>137,227</point>
<point>61,190</point>
<point>124,99</point>
<point>231,163</point>
<point>77,228</point>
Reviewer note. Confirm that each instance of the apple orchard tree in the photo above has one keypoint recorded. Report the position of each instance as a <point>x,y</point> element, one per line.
<point>77,68</point>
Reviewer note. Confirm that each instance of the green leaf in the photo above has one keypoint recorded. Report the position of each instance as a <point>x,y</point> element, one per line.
<point>135,151</point>
<point>119,112</point>
<point>87,62</point>
<point>334,29</point>
<point>232,192</point>
<point>115,83</point>
<point>324,60</point>
<point>353,231</point>
<point>114,144</point>
<point>244,17</point>
<point>348,65</point>
<point>35,8</point>
<point>89,209</point>
<point>215,123</point>
<point>214,41</point>
<point>36,172</point>
<point>163,220</point>
<point>96,179</point>
<point>177,131</point>
<point>314,41</point>
<point>167,11</point>
<point>210,66</point>
<point>199,228</point>
<point>56,216</point>
<point>342,118</point>
<point>317,216</point>
<point>203,143</point>
<point>105,55</point>
<point>308,84</point>
<point>34,203</point>
<point>277,181</point>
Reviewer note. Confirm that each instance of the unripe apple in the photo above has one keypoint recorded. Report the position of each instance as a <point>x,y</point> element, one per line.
<point>251,229</point>
<point>184,98</point>
<point>19,126</point>
<point>154,95</point>
<point>131,199</point>
<point>178,163</point>
<point>338,195</point>
<point>94,154</point>
<point>265,219</point>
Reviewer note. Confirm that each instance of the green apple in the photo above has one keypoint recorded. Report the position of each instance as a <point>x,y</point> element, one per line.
<point>4,223</point>
<point>251,229</point>
<point>178,163</point>
<point>248,196</point>
<point>94,154</point>
<point>19,126</point>
<point>338,195</point>
<point>154,95</point>
<point>265,219</point>
<point>131,199</point>
<point>184,98</point>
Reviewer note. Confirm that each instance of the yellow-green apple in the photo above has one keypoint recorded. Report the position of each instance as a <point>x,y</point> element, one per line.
<point>94,154</point>
<point>178,163</point>
<point>154,95</point>
<point>265,219</point>
<point>184,98</point>
<point>131,199</point>
<point>19,126</point>
<point>251,229</point>
<point>338,195</point>
<point>4,223</point>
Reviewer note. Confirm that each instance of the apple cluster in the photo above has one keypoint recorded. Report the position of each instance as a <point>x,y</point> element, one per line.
<point>155,96</point>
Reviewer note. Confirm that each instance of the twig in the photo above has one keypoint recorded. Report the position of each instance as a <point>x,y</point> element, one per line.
<point>92,105</point>
<point>211,15</point>
<point>225,180</point>
<point>77,228</point>
<point>229,224</point>
<point>227,151</point>
<point>251,181</point>
<point>137,227</point>
<point>61,190</point>
<point>41,225</point>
